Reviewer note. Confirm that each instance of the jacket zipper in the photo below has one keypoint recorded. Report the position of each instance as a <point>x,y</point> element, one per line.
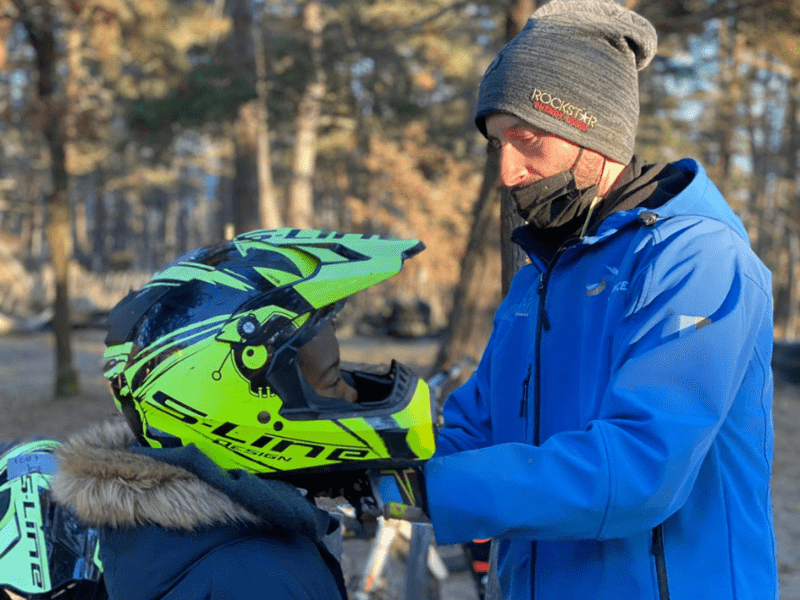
<point>661,563</point>
<point>543,325</point>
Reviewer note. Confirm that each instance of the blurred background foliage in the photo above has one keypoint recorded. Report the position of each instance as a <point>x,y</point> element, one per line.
<point>131,132</point>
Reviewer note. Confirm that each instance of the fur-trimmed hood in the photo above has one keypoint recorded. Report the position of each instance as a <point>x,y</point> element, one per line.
<point>111,481</point>
<point>109,486</point>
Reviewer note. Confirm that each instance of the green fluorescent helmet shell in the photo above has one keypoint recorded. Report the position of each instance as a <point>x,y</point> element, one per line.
<point>347,262</point>
<point>206,354</point>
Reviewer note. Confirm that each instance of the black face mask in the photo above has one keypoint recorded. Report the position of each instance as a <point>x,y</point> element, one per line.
<point>553,201</point>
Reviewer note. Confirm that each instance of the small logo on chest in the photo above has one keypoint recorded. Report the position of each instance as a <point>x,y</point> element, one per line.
<point>597,288</point>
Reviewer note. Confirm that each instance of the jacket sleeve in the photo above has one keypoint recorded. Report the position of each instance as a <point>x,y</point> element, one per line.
<point>698,321</point>
<point>466,413</point>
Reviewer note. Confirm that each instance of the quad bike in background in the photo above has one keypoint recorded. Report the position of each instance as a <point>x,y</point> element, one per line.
<point>477,554</point>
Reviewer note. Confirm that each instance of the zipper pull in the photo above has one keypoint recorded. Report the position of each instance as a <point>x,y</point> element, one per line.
<point>541,291</point>
<point>545,320</point>
<point>524,403</point>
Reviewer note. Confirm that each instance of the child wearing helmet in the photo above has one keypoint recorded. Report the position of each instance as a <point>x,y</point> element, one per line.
<point>45,552</point>
<point>237,412</point>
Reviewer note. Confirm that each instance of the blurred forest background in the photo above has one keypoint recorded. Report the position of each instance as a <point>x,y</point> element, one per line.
<point>134,130</point>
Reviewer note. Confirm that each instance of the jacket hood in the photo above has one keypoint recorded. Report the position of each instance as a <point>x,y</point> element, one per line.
<point>109,486</point>
<point>173,525</point>
<point>700,198</point>
<point>680,189</point>
<point>111,481</point>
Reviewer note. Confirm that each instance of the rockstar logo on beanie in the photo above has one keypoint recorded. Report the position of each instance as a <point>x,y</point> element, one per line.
<point>562,110</point>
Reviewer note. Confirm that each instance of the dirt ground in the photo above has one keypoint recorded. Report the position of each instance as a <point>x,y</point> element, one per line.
<point>28,408</point>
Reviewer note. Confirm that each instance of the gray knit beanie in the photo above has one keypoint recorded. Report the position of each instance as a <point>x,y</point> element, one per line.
<point>572,71</point>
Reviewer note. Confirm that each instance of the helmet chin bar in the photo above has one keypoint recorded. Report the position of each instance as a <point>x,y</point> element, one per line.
<point>386,491</point>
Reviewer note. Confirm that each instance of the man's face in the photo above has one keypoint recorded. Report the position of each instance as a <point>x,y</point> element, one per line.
<point>527,154</point>
<point>319,363</point>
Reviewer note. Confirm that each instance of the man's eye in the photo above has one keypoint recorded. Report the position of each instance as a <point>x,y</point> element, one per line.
<point>493,146</point>
<point>525,137</point>
<point>533,140</point>
<point>530,144</point>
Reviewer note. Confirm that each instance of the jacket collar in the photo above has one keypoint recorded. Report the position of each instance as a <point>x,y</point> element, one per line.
<point>666,190</point>
<point>110,481</point>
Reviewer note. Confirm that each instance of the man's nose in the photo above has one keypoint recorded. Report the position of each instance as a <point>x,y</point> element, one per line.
<point>513,167</point>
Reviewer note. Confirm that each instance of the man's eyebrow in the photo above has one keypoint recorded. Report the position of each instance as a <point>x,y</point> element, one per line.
<point>517,124</point>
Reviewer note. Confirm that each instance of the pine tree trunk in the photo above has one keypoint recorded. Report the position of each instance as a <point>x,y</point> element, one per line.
<point>38,20</point>
<point>793,317</point>
<point>300,208</point>
<point>467,333</point>
<point>59,238</point>
<point>793,269</point>
<point>462,337</point>
<point>267,203</point>
<point>730,48</point>
<point>99,225</point>
<point>246,209</point>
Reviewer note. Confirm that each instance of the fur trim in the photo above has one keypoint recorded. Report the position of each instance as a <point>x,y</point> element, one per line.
<point>108,486</point>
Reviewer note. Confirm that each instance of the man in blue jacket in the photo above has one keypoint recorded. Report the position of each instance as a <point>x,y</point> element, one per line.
<point>616,438</point>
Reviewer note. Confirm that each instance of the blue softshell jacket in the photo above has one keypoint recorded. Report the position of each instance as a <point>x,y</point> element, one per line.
<point>616,437</point>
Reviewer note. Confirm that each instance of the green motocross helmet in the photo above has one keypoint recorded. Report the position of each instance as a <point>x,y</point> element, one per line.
<point>206,353</point>
<point>45,552</point>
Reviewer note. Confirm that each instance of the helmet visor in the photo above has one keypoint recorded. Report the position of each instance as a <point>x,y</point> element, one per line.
<point>72,548</point>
